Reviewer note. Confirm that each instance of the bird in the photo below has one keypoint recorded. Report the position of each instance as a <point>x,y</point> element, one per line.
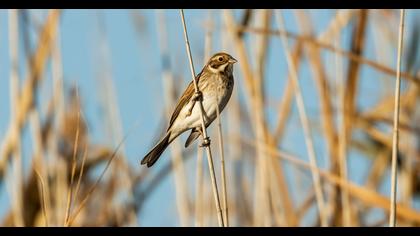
<point>215,85</point>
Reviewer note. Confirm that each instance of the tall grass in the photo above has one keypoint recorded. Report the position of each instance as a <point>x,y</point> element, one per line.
<point>348,113</point>
<point>395,133</point>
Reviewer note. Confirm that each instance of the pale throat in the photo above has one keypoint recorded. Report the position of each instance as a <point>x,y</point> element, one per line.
<point>220,69</point>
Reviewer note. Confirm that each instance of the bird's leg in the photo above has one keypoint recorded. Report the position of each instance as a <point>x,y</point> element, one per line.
<point>206,140</point>
<point>197,96</point>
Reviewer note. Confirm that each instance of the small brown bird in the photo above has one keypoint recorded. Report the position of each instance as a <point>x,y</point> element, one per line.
<point>215,83</point>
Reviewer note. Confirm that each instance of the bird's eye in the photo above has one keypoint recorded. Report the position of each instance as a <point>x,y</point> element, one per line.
<point>220,59</point>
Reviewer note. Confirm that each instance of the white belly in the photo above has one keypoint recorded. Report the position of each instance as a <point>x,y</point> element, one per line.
<point>209,111</point>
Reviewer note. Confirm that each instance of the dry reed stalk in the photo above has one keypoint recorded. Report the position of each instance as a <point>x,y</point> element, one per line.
<point>234,154</point>
<point>246,187</point>
<point>181,186</point>
<point>25,101</point>
<point>32,199</point>
<point>285,204</point>
<point>406,152</point>
<point>251,94</point>
<point>207,50</point>
<point>379,135</point>
<point>381,112</point>
<point>323,87</point>
<point>60,185</point>
<point>181,190</point>
<point>199,190</point>
<point>234,147</point>
<point>342,145</point>
<point>17,189</point>
<point>404,122</point>
<point>82,166</point>
<point>52,138</point>
<point>305,124</point>
<point>80,123</point>
<point>279,218</point>
<point>367,196</point>
<point>409,171</point>
<point>209,209</point>
<point>262,208</point>
<point>377,172</point>
<point>306,205</point>
<point>286,101</point>
<point>41,196</point>
<point>242,57</point>
<point>97,156</point>
<point>225,209</point>
<point>282,205</point>
<point>374,132</point>
<point>249,85</point>
<point>38,144</point>
<point>352,73</point>
<point>395,136</point>
<point>351,55</point>
<point>108,94</point>
<point>409,175</point>
<point>73,164</point>
<point>205,137</point>
<point>38,160</point>
<point>340,20</point>
<point>109,99</point>
<point>156,179</point>
<point>388,21</point>
<point>386,105</point>
<point>15,194</point>
<point>281,192</point>
<point>96,183</point>
<point>229,22</point>
<point>383,52</point>
<point>222,167</point>
<point>199,184</point>
<point>349,99</point>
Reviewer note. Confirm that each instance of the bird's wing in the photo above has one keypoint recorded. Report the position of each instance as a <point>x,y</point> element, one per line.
<point>183,101</point>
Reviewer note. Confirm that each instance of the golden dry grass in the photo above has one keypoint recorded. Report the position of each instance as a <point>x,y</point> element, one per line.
<point>258,178</point>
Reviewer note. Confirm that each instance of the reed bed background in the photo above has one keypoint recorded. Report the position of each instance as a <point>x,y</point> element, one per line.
<point>306,139</point>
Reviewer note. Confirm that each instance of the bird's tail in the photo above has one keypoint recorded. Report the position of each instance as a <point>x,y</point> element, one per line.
<point>157,150</point>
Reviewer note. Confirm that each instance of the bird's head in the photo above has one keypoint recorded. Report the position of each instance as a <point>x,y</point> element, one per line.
<point>221,63</point>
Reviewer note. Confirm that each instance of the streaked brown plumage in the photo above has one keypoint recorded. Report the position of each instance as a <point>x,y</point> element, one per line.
<point>215,83</point>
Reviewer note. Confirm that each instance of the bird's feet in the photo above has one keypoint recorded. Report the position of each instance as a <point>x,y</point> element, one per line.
<point>197,96</point>
<point>206,142</point>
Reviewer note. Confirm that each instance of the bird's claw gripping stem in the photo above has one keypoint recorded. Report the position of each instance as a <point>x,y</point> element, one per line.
<point>206,142</point>
<point>197,96</point>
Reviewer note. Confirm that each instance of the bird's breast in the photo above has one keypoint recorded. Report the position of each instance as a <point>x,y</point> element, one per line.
<point>216,92</point>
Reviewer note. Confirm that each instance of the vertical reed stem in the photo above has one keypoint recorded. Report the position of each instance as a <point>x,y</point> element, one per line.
<point>305,124</point>
<point>342,144</point>
<point>393,204</point>
<point>199,188</point>
<point>222,164</point>
<point>17,187</point>
<point>181,191</point>
<point>205,137</point>
<point>220,137</point>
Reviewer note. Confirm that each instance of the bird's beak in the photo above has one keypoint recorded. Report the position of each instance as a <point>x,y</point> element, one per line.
<point>232,60</point>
